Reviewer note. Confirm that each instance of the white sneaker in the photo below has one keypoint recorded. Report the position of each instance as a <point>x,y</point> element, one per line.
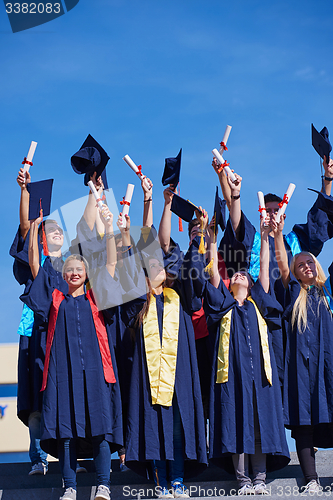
<point>102,493</point>
<point>261,489</point>
<point>247,489</point>
<point>69,494</point>
<point>180,491</point>
<point>163,492</point>
<point>39,468</point>
<point>313,487</point>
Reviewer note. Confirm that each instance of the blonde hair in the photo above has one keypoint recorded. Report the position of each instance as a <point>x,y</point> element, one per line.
<point>78,257</point>
<point>299,312</point>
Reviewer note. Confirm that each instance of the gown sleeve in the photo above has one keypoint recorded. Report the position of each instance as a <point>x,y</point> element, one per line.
<point>19,251</point>
<point>38,294</point>
<point>319,228</point>
<point>217,302</point>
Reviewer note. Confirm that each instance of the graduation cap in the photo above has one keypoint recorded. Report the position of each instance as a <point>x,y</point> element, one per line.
<point>40,197</point>
<point>172,170</point>
<point>183,208</point>
<point>219,212</point>
<point>321,142</point>
<point>91,158</point>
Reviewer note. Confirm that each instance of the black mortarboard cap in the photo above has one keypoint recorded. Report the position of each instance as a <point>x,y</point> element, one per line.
<point>183,208</point>
<point>219,211</point>
<point>90,158</point>
<point>172,170</point>
<point>40,197</point>
<point>321,142</point>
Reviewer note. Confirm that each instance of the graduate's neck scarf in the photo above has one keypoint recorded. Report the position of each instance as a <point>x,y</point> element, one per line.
<point>161,360</point>
<point>223,352</point>
<point>101,333</point>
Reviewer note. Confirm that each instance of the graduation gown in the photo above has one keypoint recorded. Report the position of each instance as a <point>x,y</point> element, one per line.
<point>32,348</point>
<point>308,386</point>
<point>77,401</point>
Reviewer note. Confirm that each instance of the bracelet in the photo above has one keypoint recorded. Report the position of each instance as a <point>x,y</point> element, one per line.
<point>235,197</point>
<point>329,179</point>
<point>146,201</point>
<point>109,236</point>
<point>127,249</point>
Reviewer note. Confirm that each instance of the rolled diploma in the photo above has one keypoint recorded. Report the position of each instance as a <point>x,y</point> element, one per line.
<point>125,208</point>
<point>96,195</point>
<point>135,169</point>
<point>289,193</point>
<point>221,161</point>
<point>225,138</point>
<point>261,200</point>
<point>30,156</point>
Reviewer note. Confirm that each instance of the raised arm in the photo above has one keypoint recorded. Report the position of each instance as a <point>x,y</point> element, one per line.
<point>147,203</point>
<point>235,208</point>
<point>226,191</point>
<point>280,250</point>
<point>111,251</point>
<point>164,230</point>
<point>33,250</point>
<point>91,212</point>
<point>328,177</point>
<point>264,254</point>
<point>22,180</point>
<point>212,256</point>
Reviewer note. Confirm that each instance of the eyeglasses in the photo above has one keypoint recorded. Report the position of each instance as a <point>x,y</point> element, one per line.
<point>53,229</point>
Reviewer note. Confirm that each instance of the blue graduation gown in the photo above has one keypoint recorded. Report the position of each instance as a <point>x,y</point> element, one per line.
<point>32,349</point>
<point>150,427</point>
<point>77,402</point>
<point>308,379</point>
<point>231,403</point>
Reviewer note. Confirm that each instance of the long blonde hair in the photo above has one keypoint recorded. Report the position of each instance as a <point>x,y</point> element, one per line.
<point>300,307</point>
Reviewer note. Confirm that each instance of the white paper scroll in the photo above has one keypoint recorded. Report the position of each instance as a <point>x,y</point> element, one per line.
<point>225,139</point>
<point>29,157</point>
<point>285,201</point>
<point>262,208</point>
<point>126,203</point>
<point>96,196</point>
<point>221,161</point>
<point>135,169</point>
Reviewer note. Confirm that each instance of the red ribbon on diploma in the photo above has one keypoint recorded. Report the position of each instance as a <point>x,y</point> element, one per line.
<point>284,201</point>
<point>225,164</point>
<point>139,172</point>
<point>26,162</point>
<point>223,146</point>
<point>124,202</point>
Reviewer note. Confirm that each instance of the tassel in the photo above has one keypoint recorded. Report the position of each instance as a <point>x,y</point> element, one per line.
<point>145,231</point>
<point>202,249</point>
<point>209,268</point>
<point>180,225</point>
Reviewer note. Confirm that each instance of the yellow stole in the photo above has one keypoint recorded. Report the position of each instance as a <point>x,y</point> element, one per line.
<point>161,360</point>
<point>223,352</point>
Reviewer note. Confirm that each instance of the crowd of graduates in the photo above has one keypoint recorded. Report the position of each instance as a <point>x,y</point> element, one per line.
<point>133,346</point>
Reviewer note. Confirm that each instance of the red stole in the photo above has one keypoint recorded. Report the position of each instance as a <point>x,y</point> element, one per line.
<point>102,337</point>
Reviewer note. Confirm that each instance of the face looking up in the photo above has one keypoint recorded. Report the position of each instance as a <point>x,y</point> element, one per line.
<point>156,273</point>
<point>305,269</point>
<point>54,235</point>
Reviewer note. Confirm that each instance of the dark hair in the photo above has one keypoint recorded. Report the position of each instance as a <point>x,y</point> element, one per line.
<point>269,197</point>
<point>43,224</point>
<point>192,224</point>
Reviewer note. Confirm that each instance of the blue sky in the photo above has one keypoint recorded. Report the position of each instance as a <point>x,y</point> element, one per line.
<point>146,78</point>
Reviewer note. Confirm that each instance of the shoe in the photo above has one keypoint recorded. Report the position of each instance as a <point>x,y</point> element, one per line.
<point>180,491</point>
<point>103,493</point>
<point>313,487</point>
<point>247,489</point>
<point>69,494</point>
<point>123,467</point>
<point>261,489</point>
<point>39,468</point>
<point>163,492</point>
<point>80,469</point>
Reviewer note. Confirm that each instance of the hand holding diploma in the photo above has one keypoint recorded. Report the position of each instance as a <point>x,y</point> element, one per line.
<point>224,164</point>
<point>126,203</point>
<point>27,161</point>
<point>262,207</point>
<point>137,169</point>
<point>97,198</point>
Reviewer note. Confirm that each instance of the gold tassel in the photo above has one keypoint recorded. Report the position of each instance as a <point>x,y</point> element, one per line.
<point>145,231</point>
<point>202,249</point>
<point>209,268</point>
